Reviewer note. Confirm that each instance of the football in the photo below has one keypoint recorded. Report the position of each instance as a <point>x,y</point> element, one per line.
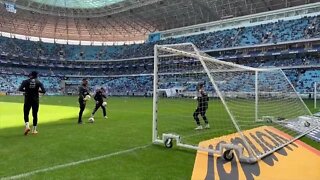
<point>91,120</point>
<point>104,104</point>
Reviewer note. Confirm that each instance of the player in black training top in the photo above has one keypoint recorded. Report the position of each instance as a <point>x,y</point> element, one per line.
<point>202,107</point>
<point>31,88</point>
<point>98,97</point>
<point>84,96</point>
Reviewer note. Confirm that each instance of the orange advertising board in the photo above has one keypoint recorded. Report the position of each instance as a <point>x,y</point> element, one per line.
<point>297,161</point>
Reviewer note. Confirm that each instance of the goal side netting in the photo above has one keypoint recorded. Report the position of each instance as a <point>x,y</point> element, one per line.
<point>240,98</point>
<point>316,96</point>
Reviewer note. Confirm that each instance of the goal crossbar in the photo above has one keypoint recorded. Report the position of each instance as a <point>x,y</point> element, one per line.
<point>212,59</point>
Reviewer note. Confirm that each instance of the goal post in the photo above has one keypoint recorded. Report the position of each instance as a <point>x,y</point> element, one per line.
<point>240,98</point>
<point>155,96</point>
<point>316,95</point>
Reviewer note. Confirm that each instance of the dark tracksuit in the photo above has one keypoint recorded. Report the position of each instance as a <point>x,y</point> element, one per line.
<point>31,89</point>
<point>201,108</point>
<point>99,100</point>
<point>83,91</point>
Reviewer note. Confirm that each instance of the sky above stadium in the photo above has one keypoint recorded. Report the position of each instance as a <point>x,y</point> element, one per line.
<point>78,4</point>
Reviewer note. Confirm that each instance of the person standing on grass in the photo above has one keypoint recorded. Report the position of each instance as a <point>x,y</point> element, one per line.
<point>84,96</point>
<point>31,88</point>
<point>202,107</point>
<point>98,97</point>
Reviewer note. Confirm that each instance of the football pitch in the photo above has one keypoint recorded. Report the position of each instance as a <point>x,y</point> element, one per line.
<point>117,148</point>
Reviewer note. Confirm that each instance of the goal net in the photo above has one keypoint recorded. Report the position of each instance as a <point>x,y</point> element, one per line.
<point>316,95</point>
<point>240,98</point>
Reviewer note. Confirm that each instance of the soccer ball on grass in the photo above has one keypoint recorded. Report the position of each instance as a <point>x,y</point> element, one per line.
<point>91,120</point>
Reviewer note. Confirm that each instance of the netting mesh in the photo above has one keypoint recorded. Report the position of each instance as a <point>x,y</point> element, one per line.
<point>277,97</point>
<point>241,98</point>
<point>316,96</point>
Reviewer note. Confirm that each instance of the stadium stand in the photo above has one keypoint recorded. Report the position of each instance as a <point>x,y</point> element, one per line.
<point>18,57</point>
<point>281,31</point>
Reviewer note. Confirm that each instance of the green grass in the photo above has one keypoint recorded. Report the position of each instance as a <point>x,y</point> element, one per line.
<point>61,140</point>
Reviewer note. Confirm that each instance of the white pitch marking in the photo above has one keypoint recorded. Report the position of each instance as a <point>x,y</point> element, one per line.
<point>52,168</point>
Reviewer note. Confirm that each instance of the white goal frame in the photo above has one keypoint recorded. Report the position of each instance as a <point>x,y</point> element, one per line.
<point>223,147</point>
<point>315,94</point>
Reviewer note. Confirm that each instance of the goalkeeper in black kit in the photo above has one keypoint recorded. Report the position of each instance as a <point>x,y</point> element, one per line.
<point>31,88</point>
<point>84,96</point>
<point>98,97</point>
<point>202,107</point>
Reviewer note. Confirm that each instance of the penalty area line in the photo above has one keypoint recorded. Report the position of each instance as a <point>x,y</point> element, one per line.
<point>52,168</point>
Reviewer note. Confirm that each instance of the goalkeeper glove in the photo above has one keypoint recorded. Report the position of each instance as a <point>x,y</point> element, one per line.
<point>88,97</point>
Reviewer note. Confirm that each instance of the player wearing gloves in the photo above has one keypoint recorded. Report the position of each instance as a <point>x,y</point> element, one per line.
<point>98,97</point>
<point>84,96</point>
<point>202,107</point>
<point>31,88</point>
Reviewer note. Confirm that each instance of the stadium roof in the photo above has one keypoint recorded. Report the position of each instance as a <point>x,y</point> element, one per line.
<point>123,20</point>
<point>77,4</point>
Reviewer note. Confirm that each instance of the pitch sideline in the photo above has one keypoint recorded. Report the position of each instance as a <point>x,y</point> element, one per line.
<point>52,168</point>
